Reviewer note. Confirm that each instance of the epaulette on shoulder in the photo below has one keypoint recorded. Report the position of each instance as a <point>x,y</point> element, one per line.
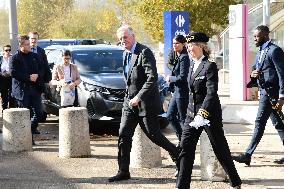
<point>211,60</point>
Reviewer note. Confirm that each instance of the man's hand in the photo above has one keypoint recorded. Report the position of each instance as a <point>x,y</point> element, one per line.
<point>255,73</point>
<point>33,77</point>
<point>134,101</point>
<point>168,78</point>
<point>280,104</point>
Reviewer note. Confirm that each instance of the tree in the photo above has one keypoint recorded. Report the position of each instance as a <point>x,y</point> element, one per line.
<point>95,22</point>
<point>4,27</point>
<point>38,15</point>
<point>208,16</point>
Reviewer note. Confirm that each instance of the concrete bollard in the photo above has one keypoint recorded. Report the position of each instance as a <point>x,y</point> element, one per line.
<point>17,135</point>
<point>144,153</point>
<point>211,168</point>
<point>74,138</point>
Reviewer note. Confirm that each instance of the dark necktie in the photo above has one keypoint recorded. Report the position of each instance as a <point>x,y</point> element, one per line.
<point>128,61</point>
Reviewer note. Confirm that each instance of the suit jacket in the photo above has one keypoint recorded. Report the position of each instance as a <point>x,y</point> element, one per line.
<point>58,74</point>
<point>21,70</point>
<point>180,71</point>
<point>44,68</point>
<point>203,87</point>
<point>272,70</point>
<point>141,81</point>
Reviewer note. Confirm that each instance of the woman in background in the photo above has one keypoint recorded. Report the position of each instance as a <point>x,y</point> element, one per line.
<point>179,62</point>
<point>66,74</point>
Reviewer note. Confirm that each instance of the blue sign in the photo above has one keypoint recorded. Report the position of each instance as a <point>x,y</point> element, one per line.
<point>175,22</point>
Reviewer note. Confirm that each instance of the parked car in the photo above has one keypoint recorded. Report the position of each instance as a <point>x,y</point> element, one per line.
<point>102,89</point>
<point>43,43</point>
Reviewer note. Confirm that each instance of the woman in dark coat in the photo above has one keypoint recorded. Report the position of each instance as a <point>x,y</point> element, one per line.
<point>203,113</point>
<point>176,113</point>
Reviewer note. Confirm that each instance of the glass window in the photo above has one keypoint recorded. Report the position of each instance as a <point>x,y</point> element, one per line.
<point>99,61</point>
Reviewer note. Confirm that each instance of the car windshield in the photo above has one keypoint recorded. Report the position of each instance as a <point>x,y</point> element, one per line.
<point>99,61</point>
<point>44,44</point>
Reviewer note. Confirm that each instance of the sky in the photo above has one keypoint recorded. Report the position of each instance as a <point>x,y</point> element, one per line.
<point>4,3</point>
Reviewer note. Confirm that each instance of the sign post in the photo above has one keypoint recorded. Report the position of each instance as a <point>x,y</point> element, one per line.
<point>175,22</point>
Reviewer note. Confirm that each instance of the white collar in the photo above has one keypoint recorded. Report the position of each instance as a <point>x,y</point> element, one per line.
<point>198,60</point>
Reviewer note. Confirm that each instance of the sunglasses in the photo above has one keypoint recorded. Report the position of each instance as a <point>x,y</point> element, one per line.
<point>7,50</point>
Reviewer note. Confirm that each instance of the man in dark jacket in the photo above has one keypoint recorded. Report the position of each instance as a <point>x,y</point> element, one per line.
<point>268,72</point>
<point>43,65</point>
<point>27,81</point>
<point>142,101</point>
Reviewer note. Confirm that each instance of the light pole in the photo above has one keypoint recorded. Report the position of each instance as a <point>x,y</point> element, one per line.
<point>266,12</point>
<point>13,25</point>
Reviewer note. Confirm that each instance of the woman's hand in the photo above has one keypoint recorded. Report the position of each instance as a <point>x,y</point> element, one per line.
<point>72,85</point>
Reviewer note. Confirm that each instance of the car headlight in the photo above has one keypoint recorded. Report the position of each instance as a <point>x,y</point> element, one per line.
<point>91,88</point>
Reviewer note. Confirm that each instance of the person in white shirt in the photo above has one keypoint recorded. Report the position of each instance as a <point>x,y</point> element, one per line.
<point>5,78</point>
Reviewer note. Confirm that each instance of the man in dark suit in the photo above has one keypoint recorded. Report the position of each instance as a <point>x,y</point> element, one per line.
<point>44,68</point>
<point>268,72</point>
<point>142,101</point>
<point>43,64</point>
<point>27,81</point>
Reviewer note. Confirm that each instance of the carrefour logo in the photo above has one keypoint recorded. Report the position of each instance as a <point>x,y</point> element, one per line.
<point>180,21</point>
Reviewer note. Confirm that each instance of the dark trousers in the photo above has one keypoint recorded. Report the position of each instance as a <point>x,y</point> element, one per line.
<point>264,112</point>
<point>149,125</point>
<point>176,114</point>
<point>190,137</point>
<point>5,90</point>
<point>32,101</point>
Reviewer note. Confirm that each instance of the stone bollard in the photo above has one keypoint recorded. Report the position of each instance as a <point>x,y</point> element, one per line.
<point>74,138</point>
<point>144,153</point>
<point>17,135</point>
<point>211,168</point>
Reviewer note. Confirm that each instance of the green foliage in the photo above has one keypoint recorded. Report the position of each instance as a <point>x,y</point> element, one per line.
<point>209,16</point>
<point>39,15</point>
<point>4,27</point>
<point>90,23</point>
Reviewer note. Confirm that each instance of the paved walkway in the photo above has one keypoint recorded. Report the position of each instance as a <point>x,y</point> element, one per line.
<point>43,169</point>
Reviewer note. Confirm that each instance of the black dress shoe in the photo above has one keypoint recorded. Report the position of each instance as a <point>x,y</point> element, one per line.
<point>242,158</point>
<point>35,132</point>
<point>279,161</point>
<point>121,175</point>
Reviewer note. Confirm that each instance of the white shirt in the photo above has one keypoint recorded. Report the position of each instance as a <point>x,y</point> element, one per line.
<point>5,67</point>
<point>67,74</point>
<point>197,62</point>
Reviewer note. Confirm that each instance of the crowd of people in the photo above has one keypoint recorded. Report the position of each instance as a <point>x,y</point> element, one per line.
<point>194,107</point>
